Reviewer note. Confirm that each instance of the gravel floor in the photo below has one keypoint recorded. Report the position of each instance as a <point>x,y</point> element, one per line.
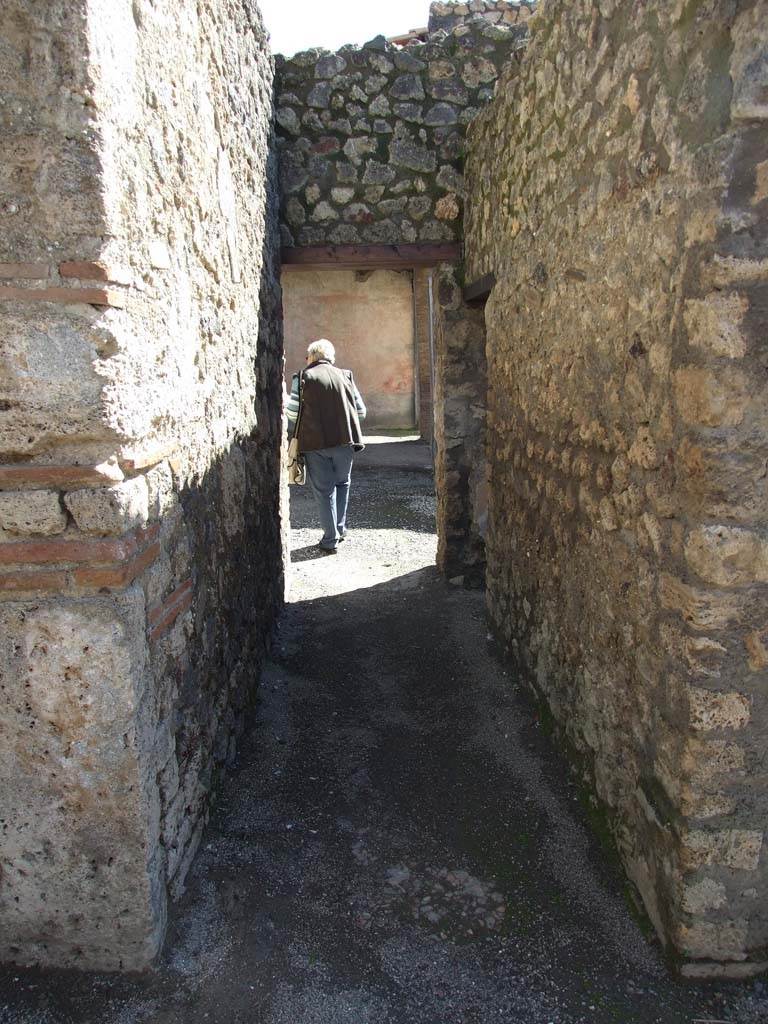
<point>400,843</point>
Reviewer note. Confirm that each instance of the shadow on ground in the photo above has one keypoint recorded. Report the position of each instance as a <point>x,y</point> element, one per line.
<point>400,843</point>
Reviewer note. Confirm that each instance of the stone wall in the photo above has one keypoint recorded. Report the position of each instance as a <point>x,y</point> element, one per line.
<point>460,431</point>
<point>140,417</point>
<point>619,193</point>
<point>372,138</point>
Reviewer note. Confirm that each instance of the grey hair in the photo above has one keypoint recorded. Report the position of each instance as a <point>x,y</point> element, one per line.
<point>321,349</point>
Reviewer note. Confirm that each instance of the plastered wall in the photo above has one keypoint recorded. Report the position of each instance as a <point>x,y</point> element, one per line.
<point>369,317</point>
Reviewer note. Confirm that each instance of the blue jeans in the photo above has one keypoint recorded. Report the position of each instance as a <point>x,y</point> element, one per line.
<point>329,471</point>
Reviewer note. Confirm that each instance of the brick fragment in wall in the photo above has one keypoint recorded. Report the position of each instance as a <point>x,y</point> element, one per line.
<point>96,270</point>
<point>626,506</point>
<point>162,617</point>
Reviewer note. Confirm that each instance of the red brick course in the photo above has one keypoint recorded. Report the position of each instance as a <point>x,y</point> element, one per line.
<point>73,550</point>
<point>116,576</point>
<point>24,271</point>
<point>95,564</point>
<point>93,296</point>
<point>33,582</point>
<point>22,476</point>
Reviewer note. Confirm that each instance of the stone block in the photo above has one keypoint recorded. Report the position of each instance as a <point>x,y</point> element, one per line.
<point>441,114</point>
<point>108,511</point>
<point>712,709</point>
<point>711,398</point>
<point>376,173</point>
<point>732,848</point>
<point>329,65</point>
<point>288,120</point>
<point>412,155</point>
<point>82,668</point>
<point>379,106</point>
<point>447,207</point>
<point>374,84</point>
<point>31,512</point>
<point>355,149</point>
<point>161,495</point>
<point>320,96</point>
<point>405,61</point>
<point>756,643</point>
<point>727,556</point>
<point>477,71</point>
<point>749,66</point>
<point>62,477</point>
<point>714,940</point>
<point>700,897</point>
<point>324,212</point>
<point>714,323</point>
<point>407,87</point>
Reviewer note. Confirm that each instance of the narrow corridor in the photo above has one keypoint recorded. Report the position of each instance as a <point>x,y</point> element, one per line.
<point>399,842</point>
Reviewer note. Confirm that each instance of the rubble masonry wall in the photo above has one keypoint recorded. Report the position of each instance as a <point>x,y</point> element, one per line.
<point>618,190</point>
<point>140,426</point>
<point>371,138</point>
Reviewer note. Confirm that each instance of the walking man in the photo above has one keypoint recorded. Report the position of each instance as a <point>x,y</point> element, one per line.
<point>328,407</point>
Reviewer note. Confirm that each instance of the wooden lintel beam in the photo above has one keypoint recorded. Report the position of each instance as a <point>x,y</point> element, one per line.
<point>476,293</point>
<point>370,257</point>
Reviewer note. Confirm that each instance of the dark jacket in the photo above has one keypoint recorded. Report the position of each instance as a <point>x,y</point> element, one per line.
<point>328,416</point>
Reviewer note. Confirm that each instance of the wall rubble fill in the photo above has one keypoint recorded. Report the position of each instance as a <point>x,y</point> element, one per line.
<point>617,191</point>
<point>140,437</point>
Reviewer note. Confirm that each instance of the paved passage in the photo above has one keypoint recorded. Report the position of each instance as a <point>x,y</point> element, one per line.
<point>401,842</point>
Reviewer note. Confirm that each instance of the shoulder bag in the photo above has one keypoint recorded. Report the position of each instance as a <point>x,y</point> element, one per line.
<point>297,470</point>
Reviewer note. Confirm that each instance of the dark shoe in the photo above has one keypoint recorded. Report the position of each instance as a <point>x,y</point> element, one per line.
<point>342,536</point>
<point>327,551</point>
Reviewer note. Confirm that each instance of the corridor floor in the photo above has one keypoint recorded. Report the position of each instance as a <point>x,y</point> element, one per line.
<point>400,842</point>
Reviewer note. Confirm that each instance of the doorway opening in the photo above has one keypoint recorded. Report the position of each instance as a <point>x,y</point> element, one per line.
<point>379,321</point>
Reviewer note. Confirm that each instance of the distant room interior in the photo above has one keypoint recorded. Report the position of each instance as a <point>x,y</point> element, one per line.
<point>369,317</point>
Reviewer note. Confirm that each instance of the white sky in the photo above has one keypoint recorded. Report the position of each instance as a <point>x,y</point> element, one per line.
<point>296,25</point>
